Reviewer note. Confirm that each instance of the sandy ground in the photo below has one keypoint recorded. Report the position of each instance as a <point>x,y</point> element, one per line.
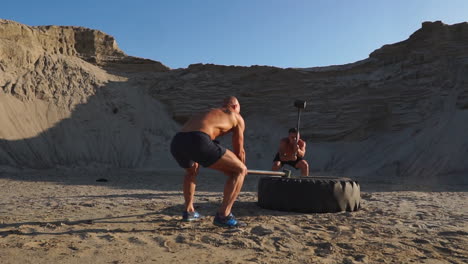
<point>66,216</point>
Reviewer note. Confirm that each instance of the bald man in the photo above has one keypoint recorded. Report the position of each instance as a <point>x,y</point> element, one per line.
<point>195,145</point>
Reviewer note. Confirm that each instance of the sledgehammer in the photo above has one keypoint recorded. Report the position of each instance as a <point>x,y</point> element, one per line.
<point>284,173</point>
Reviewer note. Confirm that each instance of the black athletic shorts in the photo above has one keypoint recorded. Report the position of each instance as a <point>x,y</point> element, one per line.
<point>195,146</point>
<point>291,163</point>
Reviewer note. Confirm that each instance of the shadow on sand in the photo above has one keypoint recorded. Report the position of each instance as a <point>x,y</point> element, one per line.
<point>167,219</point>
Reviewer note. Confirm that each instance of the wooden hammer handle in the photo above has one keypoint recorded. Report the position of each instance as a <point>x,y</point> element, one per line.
<point>263,172</point>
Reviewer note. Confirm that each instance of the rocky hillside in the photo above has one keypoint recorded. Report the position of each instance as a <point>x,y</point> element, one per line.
<point>70,97</point>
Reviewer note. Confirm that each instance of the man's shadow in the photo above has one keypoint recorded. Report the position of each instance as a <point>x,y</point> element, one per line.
<point>166,219</point>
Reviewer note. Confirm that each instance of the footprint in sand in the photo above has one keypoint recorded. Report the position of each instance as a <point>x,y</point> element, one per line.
<point>181,239</point>
<point>84,236</point>
<point>261,231</point>
<point>239,244</point>
<point>164,243</point>
<point>213,241</point>
<point>88,204</point>
<point>159,240</point>
<point>420,241</point>
<point>73,247</point>
<point>333,228</point>
<point>109,238</point>
<point>345,246</point>
<point>323,249</point>
<point>136,240</point>
<point>280,243</point>
<point>453,233</point>
<point>361,258</point>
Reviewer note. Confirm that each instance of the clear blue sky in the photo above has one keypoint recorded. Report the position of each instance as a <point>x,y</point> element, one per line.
<point>282,33</point>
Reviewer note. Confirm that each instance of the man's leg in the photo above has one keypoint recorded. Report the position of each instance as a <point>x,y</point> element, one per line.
<point>189,186</point>
<point>276,165</point>
<point>231,165</point>
<point>304,166</point>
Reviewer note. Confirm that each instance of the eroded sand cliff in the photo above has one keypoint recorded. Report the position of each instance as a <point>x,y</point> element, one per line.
<point>70,97</point>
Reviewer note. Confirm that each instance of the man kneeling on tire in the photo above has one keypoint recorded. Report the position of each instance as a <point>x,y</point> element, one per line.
<point>291,151</point>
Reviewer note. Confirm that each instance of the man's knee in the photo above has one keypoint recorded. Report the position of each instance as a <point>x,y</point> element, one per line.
<point>192,171</point>
<point>276,165</point>
<point>241,170</point>
<point>303,164</point>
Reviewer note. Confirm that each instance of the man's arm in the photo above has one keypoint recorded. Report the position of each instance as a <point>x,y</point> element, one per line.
<point>302,149</point>
<point>238,139</point>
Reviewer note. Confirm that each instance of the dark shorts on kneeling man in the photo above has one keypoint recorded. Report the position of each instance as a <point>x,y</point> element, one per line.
<point>291,163</point>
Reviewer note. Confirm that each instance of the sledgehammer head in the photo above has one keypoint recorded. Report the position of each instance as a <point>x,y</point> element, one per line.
<point>300,104</point>
<point>287,173</point>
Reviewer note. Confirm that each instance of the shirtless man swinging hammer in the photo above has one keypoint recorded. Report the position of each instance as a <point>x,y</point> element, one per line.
<point>195,144</point>
<point>291,151</point>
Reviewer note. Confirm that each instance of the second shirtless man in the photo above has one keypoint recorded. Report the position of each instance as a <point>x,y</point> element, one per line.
<point>291,151</point>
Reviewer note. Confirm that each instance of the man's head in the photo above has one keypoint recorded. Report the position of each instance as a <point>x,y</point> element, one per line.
<point>232,104</point>
<point>293,134</point>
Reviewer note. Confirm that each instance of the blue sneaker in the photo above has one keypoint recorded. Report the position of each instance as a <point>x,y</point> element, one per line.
<point>228,221</point>
<point>190,216</point>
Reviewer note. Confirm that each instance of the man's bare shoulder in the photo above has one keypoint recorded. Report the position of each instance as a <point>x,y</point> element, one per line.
<point>205,112</point>
<point>214,110</point>
<point>238,122</point>
<point>239,117</point>
<point>217,112</point>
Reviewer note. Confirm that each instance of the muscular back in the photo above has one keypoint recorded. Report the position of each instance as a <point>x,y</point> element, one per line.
<point>219,121</point>
<point>214,122</point>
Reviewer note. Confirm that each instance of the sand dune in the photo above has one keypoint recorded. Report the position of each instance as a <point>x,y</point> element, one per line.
<point>70,97</point>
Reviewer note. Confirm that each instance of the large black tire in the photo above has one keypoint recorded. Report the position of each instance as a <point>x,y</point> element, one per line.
<point>309,194</point>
